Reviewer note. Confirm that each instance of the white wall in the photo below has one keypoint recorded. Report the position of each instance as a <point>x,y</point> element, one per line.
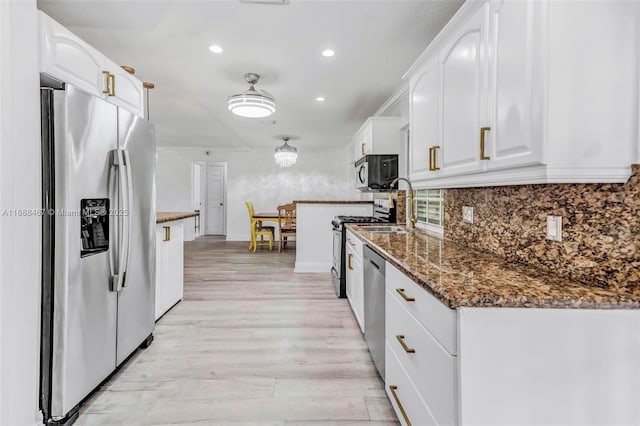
<point>19,235</point>
<point>252,175</point>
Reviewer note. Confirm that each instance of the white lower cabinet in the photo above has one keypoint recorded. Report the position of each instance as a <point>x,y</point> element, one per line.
<point>405,398</point>
<point>425,360</point>
<point>169,266</point>
<point>420,334</point>
<point>508,366</point>
<point>355,277</point>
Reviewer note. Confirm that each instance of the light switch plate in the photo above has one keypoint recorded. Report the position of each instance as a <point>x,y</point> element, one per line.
<point>467,214</point>
<point>554,228</point>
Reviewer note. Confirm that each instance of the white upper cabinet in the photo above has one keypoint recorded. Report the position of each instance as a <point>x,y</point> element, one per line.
<point>65,57</point>
<point>424,118</point>
<point>528,92</point>
<point>363,140</point>
<point>127,92</point>
<point>464,95</point>
<point>378,135</point>
<point>515,87</point>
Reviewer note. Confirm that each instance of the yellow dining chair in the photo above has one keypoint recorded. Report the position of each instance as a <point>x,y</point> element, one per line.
<point>286,223</point>
<point>258,230</point>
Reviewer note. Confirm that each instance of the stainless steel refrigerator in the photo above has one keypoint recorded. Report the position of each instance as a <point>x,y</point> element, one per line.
<point>98,248</point>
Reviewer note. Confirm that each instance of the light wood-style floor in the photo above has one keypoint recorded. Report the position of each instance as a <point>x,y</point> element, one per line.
<point>252,343</point>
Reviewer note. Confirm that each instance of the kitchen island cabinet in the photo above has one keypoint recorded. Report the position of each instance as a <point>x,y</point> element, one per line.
<point>315,232</point>
<point>472,339</point>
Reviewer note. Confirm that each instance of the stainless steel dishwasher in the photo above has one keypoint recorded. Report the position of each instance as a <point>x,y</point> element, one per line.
<point>374,289</point>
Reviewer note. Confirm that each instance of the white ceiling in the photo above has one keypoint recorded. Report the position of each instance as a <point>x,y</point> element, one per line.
<point>167,43</point>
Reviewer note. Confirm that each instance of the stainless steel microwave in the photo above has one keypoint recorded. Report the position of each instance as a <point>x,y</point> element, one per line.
<point>376,172</point>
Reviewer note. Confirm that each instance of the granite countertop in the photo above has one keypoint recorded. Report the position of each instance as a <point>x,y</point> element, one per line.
<point>463,277</point>
<point>332,202</point>
<point>162,217</point>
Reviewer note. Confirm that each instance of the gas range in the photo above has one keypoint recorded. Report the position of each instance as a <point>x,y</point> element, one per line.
<point>383,213</point>
<point>339,220</point>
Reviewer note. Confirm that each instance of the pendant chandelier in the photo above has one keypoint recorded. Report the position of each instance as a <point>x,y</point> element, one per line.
<point>252,103</point>
<point>286,155</point>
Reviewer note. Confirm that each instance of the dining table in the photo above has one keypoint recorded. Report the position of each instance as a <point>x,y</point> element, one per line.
<point>261,217</point>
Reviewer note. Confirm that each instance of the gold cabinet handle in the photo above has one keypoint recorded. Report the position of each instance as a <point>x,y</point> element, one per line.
<point>430,158</point>
<point>404,296</point>
<point>362,145</point>
<point>393,390</point>
<point>483,131</point>
<point>435,158</point>
<point>110,89</point>
<point>349,257</point>
<point>167,233</point>
<point>107,82</point>
<point>112,78</point>
<point>406,348</point>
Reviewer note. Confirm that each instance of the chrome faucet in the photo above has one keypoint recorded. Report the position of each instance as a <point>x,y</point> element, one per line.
<point>412,216</point>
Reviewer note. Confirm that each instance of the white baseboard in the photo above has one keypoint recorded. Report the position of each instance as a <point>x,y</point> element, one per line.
<point>319,267</point>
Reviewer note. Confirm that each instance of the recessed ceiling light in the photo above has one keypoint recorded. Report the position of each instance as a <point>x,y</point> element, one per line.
<point>320,99</point>
<point>215,48</point>
<point>328,53</point>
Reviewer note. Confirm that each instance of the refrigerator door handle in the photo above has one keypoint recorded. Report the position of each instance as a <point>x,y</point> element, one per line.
<point>118,278</point>
<point>112,191</point>
<point>126,212</point>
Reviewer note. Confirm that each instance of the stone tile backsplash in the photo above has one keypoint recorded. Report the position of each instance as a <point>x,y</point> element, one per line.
<point>600,227</point>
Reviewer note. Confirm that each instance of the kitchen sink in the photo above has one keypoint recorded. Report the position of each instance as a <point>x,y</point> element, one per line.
<point>387,229</point>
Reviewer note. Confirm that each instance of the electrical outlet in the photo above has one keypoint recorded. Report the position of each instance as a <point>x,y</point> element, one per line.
<point>467,214</point>
<point>554,228</point>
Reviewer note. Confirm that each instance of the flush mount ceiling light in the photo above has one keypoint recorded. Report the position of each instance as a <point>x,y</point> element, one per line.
<point>252,103</point>
<point>215,48</point>
<point>328,53</point>
<point>286,155</point>
<point>320,99</point>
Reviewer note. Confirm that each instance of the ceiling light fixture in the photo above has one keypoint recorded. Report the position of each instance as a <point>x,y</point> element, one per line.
<point>252,103</point>
<point>286,155</point>
<point>215,48</point>
<point>328,53</point>
<point>320,99</point>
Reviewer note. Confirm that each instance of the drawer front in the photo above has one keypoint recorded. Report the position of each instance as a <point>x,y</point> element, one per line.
<point>408,405</point>
<point>355,243</point>
<point>434,315</point>
<point>429,366</point>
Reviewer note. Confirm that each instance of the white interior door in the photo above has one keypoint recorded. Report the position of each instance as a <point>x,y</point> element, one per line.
<point>215,219</point>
